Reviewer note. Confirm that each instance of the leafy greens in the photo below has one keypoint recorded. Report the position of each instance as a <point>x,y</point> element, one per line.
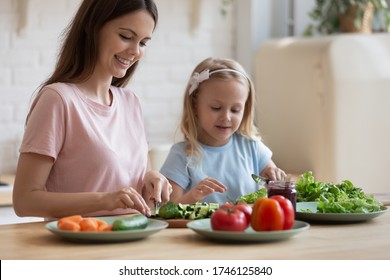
<point>335,198</point>
<point>252,197</point>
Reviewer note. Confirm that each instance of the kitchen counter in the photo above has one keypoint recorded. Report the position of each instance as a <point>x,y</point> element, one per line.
<point>368,240</point>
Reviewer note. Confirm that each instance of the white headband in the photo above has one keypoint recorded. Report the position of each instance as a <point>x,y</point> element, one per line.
<point>198,78</point>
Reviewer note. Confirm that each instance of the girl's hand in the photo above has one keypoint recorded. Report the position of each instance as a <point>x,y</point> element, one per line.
<point>156,188</point>
<point>204,188</point>
<point>272,172</point>
<point>129,198</point>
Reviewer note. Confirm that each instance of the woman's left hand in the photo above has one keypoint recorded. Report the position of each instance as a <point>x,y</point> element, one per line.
<point>156,188</point>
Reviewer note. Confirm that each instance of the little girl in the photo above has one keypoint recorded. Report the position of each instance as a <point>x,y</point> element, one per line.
<point>222,147</point>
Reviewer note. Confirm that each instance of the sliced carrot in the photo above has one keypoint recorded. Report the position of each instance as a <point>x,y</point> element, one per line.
<point>106,228</point>
<point>101,224</point>
<point>69,225</point>
<point>78,223</point>
<point>75,218</point>
<point>89,224</point>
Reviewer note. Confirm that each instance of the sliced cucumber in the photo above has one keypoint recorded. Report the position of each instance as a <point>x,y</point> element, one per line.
<point>194,211</point>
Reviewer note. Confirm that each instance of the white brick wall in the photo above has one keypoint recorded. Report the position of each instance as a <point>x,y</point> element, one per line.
<point>27,57</point>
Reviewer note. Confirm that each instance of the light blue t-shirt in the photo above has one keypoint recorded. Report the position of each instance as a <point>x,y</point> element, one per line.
<point>231,164</point>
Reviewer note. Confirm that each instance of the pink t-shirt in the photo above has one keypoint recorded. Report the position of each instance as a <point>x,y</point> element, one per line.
<point>96,148</point>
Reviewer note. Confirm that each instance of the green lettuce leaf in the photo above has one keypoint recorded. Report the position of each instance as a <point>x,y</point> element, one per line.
<point>335,198</point>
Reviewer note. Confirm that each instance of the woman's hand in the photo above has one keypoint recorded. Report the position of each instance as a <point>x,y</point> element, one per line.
<point>156,188</point>
<point>129,198</point>
<point>272,172</point>
<point>204,188</point>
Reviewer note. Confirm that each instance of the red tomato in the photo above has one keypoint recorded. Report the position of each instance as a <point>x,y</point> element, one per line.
<point>288,210</point>
<point>227,205</point>
<point>228,219</point>
<point>267,215</point>
<point>247,209</point>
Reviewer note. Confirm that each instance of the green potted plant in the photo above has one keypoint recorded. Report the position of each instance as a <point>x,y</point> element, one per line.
<point>338,16</point>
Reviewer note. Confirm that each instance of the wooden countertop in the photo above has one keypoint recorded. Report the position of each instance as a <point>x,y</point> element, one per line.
<point>368,240</point>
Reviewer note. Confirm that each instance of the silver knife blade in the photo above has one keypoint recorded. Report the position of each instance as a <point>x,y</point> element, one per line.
<point>156,207</point>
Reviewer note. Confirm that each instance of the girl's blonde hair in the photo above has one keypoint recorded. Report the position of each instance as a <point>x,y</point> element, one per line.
<point>189,122</point>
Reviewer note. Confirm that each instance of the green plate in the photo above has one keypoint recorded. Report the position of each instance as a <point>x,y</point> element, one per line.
<point>203,227</point>
<point>108,236</point>
<point>333,217</point>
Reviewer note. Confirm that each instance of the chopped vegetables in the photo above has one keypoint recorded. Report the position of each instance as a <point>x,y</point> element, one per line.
<point>194,211</point>
<point>335,198</point>
<point>252,197</point>
<point>78,223</point>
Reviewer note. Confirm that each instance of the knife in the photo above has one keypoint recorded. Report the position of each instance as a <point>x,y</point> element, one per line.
<point>260,180</point>
<point>156,207</point>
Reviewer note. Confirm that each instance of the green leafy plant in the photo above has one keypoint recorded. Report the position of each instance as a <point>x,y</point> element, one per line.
<point>326,15</point>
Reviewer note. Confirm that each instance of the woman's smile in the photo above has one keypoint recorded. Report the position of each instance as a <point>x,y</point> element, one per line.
<point>123,42</point>
<point>123,61</point>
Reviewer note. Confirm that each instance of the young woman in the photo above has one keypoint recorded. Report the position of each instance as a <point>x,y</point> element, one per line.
<point>84,149</point>
<point>222,147</point>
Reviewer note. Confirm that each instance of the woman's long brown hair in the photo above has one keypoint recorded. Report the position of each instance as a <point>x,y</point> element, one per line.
<point>79,51</point>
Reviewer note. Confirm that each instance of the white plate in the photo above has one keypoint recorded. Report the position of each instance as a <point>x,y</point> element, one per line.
<point>108,236</point>
<point>203,227</point>
<point>333,217</point>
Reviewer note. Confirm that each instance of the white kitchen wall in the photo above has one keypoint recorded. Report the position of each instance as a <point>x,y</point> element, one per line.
<point>188,31</point>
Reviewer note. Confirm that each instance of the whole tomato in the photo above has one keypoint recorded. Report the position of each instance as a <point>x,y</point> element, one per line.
<point>288,210</point>
<point>227,205</point>
<point>228,219</point>
<point>267,215</point>
<point>245,208</point>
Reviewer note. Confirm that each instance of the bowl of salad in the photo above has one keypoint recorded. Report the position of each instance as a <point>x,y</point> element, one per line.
<point>341,202</point>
